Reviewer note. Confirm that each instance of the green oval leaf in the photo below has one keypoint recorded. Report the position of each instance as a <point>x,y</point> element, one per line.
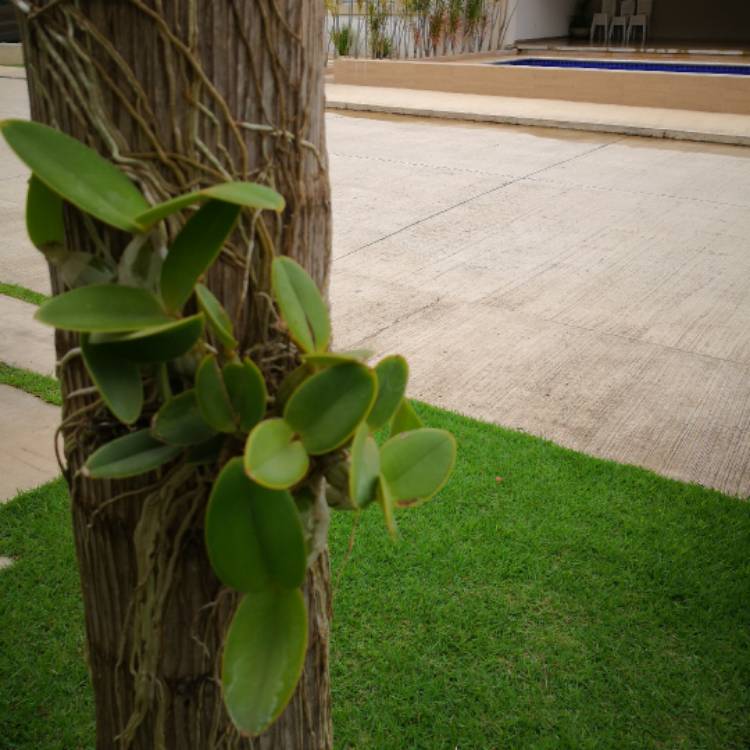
<point>365,467</point>
<point>263,657</point>
<point>248,194</point>
<point>213,399</point>
<point>103,308</point>
<point>119,381</point>
<point>290,384</point>
<point>393,374</point>
<point>158,344</point>
<point>405,419</point>
<point>326,409</point>
<point>44,216</point>
<point>179,421</point>
<point>129,456</point>
<point>217,316</point>
<point>273,457</point>
<point>247,392</point>
<point>329,359</point>
<point>301,305</point>
<point>385,500</point>
<point>254,535</point>
<point>194,249</point>
<point>77,173</point>
<point>416,464</point>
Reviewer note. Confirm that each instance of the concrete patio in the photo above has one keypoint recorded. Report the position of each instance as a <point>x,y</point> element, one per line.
<point>592,289</point>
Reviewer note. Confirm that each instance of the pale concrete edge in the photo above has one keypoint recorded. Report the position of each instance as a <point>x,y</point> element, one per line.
<point>619,128</point>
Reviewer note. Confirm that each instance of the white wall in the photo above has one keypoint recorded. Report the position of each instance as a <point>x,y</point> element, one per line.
<point>538,19</point>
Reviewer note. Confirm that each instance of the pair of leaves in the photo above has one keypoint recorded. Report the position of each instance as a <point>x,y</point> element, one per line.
<point>320,416</point>
<point>255,542</point>
<point>221,401</point>
<point>81,176</point>
<point>322,413</point>
<point>409,468</point>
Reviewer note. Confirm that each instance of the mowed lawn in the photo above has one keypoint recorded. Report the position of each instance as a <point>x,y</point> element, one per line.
<point>545,599</point>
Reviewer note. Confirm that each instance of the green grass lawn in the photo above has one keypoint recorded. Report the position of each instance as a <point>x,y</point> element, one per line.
<point>41,386</point>
<point>544,600</point>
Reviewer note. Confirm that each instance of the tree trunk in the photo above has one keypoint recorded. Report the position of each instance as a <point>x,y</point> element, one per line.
<point>183,94</point>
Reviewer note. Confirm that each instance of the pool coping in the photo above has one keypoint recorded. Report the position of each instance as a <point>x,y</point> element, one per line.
<point>702,127</point>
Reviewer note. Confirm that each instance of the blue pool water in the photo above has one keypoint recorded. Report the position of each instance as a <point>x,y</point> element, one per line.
<point>652,67</point>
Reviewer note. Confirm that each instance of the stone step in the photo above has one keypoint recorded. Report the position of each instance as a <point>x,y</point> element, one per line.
<point>27,432</point>
<point>24,342</point>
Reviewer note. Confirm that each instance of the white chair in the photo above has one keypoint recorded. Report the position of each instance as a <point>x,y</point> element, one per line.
<point>622,21</point>
<point>601,20</point>
<point>640,19</point>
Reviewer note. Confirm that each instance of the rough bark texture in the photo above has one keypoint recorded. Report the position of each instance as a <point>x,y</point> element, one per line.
<point>182,94</point>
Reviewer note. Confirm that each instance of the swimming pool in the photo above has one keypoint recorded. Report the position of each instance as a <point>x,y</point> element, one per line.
<point>628,65</point>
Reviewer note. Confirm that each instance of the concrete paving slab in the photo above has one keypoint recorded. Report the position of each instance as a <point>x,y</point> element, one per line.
<point>27,432</point>
<point>651,122</point>
<point>674,412</point>
<point>611,317</point>
<point>5,562</point>
<point>590,288</point>
<point>24,342</point>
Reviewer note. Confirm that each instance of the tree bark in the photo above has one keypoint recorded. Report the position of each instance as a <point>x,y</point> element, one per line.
<point>183,94</point>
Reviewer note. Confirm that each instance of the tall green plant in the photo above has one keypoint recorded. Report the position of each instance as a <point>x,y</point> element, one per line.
<point>343,40</point>
<point>282,456</point>
<point>381,44</point>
